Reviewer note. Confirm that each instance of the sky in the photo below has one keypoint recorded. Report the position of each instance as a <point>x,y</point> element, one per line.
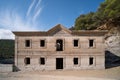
<point>41,15</point>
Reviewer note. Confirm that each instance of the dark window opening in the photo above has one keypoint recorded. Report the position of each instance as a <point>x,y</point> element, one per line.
<point>59,63</point>
<point>75,61</point>
<point>91,61</point>
<point>42,43</point>
<point>27,43</point>
<point>91,43</point>
<point>42,61</point>
<point>75,43</point>
<point>27,61</point>
<point>59,45</point>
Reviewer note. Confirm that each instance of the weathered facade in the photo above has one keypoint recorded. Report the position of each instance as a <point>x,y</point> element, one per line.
<point>59,48</point>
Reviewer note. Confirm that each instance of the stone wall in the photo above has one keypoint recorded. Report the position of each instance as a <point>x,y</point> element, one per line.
<point>50,44</point>
<point>83,52</point>
<point>50,62</point>
<point>6,67</point>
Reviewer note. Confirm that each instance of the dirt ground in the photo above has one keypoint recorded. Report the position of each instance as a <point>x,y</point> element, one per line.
<point>107,74</point>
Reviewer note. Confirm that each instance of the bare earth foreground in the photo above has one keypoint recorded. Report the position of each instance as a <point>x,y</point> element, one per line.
<point>107,74</point>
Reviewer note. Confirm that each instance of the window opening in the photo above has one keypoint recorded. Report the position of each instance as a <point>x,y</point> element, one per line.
<point>91,43</point>
<point>42,43</point>
<point>42,61</point>
<point>27,43</point>
<point>91,61</point>
<point>59,45</point>
<point>75,61</point>
<point>27,61</point>
<point>75,43</point>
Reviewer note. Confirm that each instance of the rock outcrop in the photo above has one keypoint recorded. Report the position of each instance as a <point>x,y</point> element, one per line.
<point>112,39</point>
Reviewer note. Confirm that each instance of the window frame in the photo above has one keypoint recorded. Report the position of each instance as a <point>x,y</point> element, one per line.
<point>94,43</point>
<point>26,61</point>
<point>63,44</point>
<point>42,60</point>
<point>91,43</point>
<point>30,43</point>
<point>42,44</point>
<point>93,61</point>
<point>74,61</point>
<point>78,43</point>
<point>45,43</point>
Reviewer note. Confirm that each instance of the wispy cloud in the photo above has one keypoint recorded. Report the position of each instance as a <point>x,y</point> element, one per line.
<point>11,20</point>
<point>38,4</point>
<point>30,8</point>
<point>14,21</point>
<point>34,10</point>
<point>37,13</point>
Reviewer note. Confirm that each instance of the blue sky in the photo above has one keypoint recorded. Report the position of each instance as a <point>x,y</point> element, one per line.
<point>41,15</point>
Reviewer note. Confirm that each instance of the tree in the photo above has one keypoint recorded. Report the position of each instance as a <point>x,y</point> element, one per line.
<point>109,9</point>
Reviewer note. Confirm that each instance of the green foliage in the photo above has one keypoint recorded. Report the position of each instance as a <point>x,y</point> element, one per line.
<point>83,22</point>
<point>6,49</point>
<point>111,8</point>
<point>107,10</point>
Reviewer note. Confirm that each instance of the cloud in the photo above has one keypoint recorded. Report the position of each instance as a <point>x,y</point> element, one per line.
<point>34,10</point>
<point>30,8</point>
<point>6,34</point>
<point>36,14</point>
<point>37,11</point>
<point>38,4</point>
<point>12,20</point>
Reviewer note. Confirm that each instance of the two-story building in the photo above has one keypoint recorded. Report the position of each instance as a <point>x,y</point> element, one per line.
<point>60,48</point>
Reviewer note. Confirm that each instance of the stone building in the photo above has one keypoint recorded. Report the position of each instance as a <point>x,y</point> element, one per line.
<point>60,48</point>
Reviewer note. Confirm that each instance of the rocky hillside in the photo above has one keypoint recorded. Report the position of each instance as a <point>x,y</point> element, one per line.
<point>112,39</point>
<point>107,17</point>
<point>112,43</point>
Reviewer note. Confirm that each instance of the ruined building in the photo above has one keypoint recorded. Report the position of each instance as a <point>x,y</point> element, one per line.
<point>59,48</point>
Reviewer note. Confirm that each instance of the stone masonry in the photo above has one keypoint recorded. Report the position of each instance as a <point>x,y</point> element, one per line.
<point>60,48</point>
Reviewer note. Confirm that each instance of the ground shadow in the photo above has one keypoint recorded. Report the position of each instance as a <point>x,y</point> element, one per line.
<point>9,61</point>
<point>15,68</point>
<point>111,60</point>
<point>6,61</point>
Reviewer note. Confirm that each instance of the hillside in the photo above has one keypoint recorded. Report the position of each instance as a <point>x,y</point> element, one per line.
<point>107,17</point>
<point>6,49</point>
<point>109,9</point>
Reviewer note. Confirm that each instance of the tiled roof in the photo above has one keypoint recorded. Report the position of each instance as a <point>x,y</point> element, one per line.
<point>89,32</point>
<point>30,33</point>
<point>59,27</point>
